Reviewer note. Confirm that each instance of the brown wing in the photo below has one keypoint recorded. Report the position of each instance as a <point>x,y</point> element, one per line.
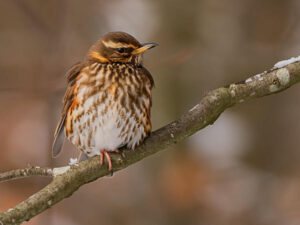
<point>67,101</point>
<point>148,74</point>
<point>146,92</point>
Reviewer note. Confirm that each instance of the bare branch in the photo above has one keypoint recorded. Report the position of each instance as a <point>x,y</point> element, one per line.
<point>67,180</point>
<point>27,172</point>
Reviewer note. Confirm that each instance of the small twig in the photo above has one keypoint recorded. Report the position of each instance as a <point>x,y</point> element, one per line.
<point>27,172</point>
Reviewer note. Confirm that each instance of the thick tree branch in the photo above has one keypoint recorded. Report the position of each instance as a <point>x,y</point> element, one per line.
<point>68,179</point>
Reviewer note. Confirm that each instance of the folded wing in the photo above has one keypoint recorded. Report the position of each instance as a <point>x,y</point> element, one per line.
<point>67,101</point>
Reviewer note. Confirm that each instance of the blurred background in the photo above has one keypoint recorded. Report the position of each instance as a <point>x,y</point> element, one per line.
<point>244,169</point>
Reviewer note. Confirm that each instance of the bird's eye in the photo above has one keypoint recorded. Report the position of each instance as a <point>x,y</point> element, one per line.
<point>121,50</point>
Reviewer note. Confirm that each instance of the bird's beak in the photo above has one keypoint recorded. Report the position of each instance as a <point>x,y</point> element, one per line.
<point>144,48</point>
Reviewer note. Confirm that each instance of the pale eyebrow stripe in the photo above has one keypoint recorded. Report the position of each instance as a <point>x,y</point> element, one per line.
<point>111,44</point>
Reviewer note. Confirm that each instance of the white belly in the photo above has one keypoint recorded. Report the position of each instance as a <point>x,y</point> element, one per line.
<point>105,127</point>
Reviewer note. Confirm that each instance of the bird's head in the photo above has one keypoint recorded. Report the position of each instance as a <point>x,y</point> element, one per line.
<point>118,47</point>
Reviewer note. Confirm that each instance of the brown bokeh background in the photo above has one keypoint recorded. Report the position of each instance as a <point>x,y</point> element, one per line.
<point>244,169</point>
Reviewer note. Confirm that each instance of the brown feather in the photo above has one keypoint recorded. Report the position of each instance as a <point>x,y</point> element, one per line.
<point>67,101</point>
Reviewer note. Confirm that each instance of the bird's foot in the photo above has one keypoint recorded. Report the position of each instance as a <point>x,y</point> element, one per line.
<point>108,158</point>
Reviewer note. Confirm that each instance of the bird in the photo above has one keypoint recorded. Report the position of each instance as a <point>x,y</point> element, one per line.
<point>108,99</point>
